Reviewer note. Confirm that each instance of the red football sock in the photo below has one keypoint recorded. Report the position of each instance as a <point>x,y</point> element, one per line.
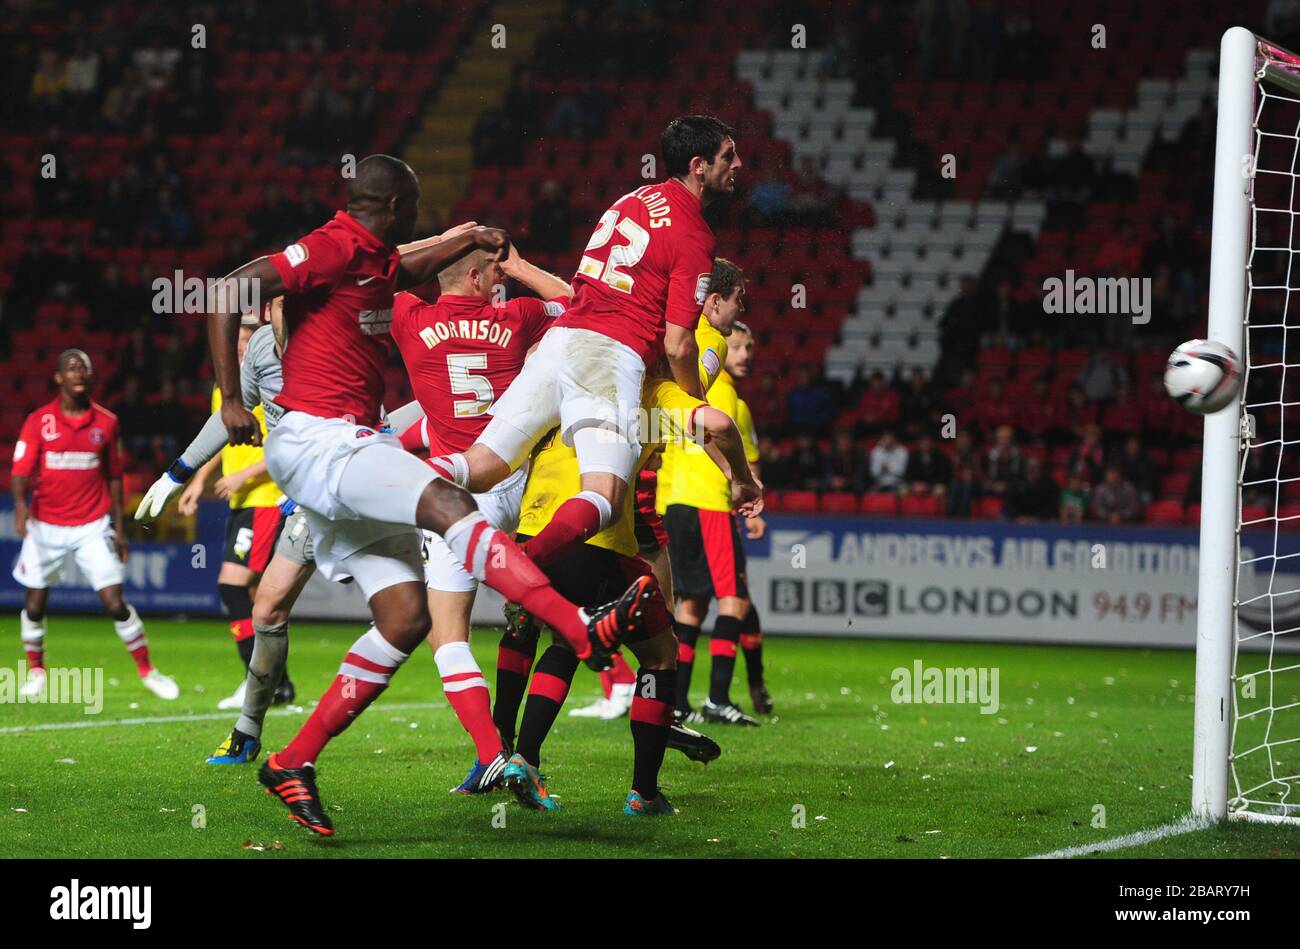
<point>573,522</point>
<point>362,677</point>
<point>494,558</point>
<point>467,691</point>
<point>131,632</point>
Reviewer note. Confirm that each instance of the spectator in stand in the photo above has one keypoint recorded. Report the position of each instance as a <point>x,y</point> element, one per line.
<point>116,215</point>
<point>777,470</point>
<point>274,218</point>
<point>1163,419</point>
<point>878,407</point>
<point>767,405</point>
<point>810,405</point>
<point>1123,415</point>
<point>1004,462</point>
<point>134,414</point>
<point>928,468</point>
<point>1042,416</point>
<point>888,463</point>
<point>578,114</point>
<point>811,199</point>
<point>66,195</point>
<point>82,76</point>
<point>1121,254</point>
<point>124,103</point>
<point>49,85</point>
<point>1074,500</point>
<point>1005,317</point>
<point>1076,416</point>
<point>1101,376</point>
<point>1115,500</point>
<point>1136,466</point>
<point>168,224</point>
<point>965,490</point>
<point>918,410</point>
<point>959,329</point>
<point>1088,458</point>
<point>193,105</point>
<point>551,220</point>
<point>1007,178</point>
<point>1174,248</point>
<point>807,468</point>
<point>985,40</point>
<point>769,200</point>
<point>307,211</point>
<point>993,410</point>
<point>1034,495</point>
<point>846,468</point>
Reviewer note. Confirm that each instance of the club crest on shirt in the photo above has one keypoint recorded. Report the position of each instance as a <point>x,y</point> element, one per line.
<point>97,436</point>
<point>364,432</point>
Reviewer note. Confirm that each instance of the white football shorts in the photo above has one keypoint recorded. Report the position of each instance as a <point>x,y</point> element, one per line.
<point>583,381</point>
<point>47,547</point>
<point>442,570</point>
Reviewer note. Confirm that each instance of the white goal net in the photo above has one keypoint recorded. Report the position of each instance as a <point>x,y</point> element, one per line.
<point>1264,762</point>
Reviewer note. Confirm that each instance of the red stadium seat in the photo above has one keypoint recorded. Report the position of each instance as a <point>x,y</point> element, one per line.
<point>1165,512</point>
<point>921,505</point>
<point>839,502</point>
<point>880,504</point>
<point>799,502</point>
<point>990,507</point>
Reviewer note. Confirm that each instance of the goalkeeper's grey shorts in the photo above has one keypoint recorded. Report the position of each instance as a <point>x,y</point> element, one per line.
<point>295,540</point>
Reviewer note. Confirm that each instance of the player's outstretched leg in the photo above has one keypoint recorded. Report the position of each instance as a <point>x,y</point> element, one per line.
<point>401,623</point>
<point>515,655</point>
<point>488,554</point>
<point>751,643</point>
<point>130,629</point>
<point>546,694</point>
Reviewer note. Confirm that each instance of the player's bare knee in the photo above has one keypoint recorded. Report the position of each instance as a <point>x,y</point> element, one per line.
<point>269,612</point>
<point>442,504</point>
<point>658,652</point>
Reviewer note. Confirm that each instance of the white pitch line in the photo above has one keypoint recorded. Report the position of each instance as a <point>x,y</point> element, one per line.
<point>174,719</point>
<point>1182,826</point>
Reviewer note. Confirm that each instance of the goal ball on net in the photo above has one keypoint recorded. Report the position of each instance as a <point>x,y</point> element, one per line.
<point>1202,375</point>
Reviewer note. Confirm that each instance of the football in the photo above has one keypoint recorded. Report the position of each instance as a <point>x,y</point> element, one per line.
<point>1202,375</point>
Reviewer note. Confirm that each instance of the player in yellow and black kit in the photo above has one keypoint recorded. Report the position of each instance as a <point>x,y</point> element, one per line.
<point>583,573</point>
<point>740,358</point>
<point>252,528</point>
<point>704,547</point>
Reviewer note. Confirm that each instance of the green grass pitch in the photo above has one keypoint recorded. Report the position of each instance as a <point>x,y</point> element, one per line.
<point>1077,728</point>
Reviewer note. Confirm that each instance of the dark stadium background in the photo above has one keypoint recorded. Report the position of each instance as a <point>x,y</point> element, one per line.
<point>170,156</point>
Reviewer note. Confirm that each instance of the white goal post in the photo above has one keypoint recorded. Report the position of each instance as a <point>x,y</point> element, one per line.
<point>1246,745</point>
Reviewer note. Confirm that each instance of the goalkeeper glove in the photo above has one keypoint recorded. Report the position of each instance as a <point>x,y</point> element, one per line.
<point>161,491</point>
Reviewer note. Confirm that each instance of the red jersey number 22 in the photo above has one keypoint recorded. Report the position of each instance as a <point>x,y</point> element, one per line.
<point>621,255</point>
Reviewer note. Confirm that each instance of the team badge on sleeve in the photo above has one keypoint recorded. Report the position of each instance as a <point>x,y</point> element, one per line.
<point>711,362</point>
<point>295,254</point>
<point>701,288</point>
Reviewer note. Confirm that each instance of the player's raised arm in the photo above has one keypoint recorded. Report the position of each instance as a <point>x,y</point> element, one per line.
<point>422,265</point>
<point>242,426</point>
<point>544,284</point>
<point>683,358</point>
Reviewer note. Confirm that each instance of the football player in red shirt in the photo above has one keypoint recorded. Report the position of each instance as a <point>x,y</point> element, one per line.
<point>461,351</point>
<point>70,446</point>
<point>363,495</point>
<point>640,285</point>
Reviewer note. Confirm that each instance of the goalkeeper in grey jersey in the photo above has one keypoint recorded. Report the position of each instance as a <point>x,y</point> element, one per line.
<point>291,566</point>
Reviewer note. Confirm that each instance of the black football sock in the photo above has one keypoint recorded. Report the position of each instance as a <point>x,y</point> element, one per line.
<point>687,636</point>
<point>239,613</point>
<point>722,648</point>
<point>651,716</point>
<point>514,660</point>
<point>546,694</point>
<point>751,641</point>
